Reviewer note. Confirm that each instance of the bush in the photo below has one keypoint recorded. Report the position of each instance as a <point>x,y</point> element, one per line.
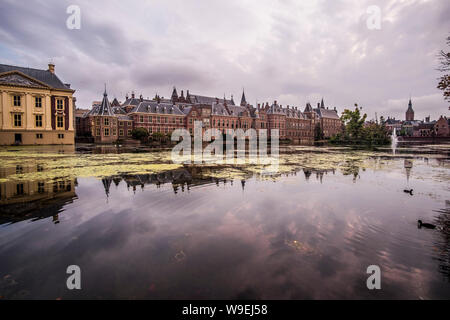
<point>140,134</point>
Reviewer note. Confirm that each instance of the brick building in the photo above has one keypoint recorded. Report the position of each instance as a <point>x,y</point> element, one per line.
<point>108,122</point>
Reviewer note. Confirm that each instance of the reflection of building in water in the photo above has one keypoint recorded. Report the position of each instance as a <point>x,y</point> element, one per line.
<point>408,164</point>
<point>42,197</point>
<point>188,177</point>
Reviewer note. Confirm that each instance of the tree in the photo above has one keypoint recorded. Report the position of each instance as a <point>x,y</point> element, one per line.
<point>444,67</point>
<point>353,122</point>
<point>139,134</point>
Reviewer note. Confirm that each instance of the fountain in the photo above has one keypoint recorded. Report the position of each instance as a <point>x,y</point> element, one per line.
<point>394,140</point>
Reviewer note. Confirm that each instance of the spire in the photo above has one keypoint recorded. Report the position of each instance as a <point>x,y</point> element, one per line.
<point>322,105</point>
<point>243,100</point>
<point>105,107</point>
<point>174,95</point>
<point>410,112</point>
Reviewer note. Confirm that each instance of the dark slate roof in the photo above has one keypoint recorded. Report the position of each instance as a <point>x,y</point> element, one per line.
<point>118,110</point>
<point>275,109</point>
<point>327,113</point>
<point>236,110</point>
<point>44,76</point>
<point>308,107</point>
<point>103,109</point>
<point>207,100</point>
<point>219,109</point>
<point>294,113</point>
<point>158,108</point>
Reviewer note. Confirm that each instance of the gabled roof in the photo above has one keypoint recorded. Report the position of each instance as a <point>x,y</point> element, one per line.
<point>44,76</point>
<point>103,109</point>
<point>327,113</point>
<point>219,109</point>
<point>158,108</point>
<point>193,98</point>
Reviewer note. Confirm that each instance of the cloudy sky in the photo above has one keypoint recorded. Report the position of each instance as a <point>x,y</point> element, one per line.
<point>287,50</point>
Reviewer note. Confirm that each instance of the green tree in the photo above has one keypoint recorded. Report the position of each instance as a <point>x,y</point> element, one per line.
<point>353,122</point>
<point>140,134</point>
<point>444,67</point>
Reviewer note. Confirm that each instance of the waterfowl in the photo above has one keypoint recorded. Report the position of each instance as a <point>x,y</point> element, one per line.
<point>420,224</point>
<point>410,191</point>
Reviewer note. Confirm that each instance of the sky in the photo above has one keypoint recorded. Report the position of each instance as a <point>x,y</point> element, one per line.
<point>290,51</point>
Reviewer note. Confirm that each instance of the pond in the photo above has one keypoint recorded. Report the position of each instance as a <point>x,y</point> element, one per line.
<point>142,227</point>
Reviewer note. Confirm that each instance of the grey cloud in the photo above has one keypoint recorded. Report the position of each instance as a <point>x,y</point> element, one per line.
<point>293,50</point>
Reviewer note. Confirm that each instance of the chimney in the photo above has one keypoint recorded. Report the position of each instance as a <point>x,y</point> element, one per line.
<point>132,95</point>
<point>318,105</point>
<point>51,67</point>
<point>141,98</point>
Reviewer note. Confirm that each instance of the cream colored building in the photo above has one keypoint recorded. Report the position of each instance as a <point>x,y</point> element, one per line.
<point>36,107</point>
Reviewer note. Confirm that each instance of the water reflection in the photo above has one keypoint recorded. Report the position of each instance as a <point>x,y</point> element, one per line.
<point>208,232</point>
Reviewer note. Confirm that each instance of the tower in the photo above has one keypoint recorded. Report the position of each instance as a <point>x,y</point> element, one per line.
<point>410,112</point>
<point>243,100</point>
<point>174,95</point>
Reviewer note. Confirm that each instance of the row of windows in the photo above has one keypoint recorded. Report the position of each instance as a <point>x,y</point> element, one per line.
<point>160,119</point>
<point>38,120</point>
<point>40,136</point>
<point>17,102</point>
<point>107,132</point>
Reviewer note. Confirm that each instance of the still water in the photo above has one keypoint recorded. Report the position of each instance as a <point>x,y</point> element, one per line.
<point>141,227</point>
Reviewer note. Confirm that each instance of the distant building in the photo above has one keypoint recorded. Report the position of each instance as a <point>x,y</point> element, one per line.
<point>442,127</point>
<point>161,115</point>
<point>409,112</point>
<point>36,107</point>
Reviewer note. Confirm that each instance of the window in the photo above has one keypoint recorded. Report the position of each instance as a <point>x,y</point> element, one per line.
<point>60,121</point>
<point>59,104</point>
<point>106,132</point>
<point>141,118</point>
<point>97,132</point>
<point>97,121</point>
<point>17,101</point>
<point>114,132</point>
<point>106,121</point>
<point>60,135</point>
<point>121,132</point>
<point>38,120</point>
<point>150,119</point>
<point>129,123</point>
<point>19,189</point>
<point>121,123</point>
<point>38,102</point>
<point>39,136</point>
<point>17,120</point>
<point>129,133</point>
<point>41,187</point>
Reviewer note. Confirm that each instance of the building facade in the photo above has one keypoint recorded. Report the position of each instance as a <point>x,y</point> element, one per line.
<point>160,115</point>
<point>36,107</point>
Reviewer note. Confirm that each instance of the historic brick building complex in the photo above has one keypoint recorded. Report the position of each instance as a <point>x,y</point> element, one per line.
<point>36,107</point>
<point>108,122</point>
